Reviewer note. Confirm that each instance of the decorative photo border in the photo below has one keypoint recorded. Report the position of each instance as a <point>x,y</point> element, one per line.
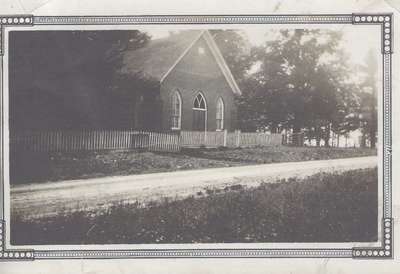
<point>385,20</point>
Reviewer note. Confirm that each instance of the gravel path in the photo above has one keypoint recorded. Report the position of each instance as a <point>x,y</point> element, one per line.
<point>47,199</point>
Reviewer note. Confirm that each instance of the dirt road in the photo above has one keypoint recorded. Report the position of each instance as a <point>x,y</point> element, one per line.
<point>47,199</point>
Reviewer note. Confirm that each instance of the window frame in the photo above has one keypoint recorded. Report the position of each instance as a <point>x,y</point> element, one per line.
<point>220,102</point>
<point>203,99</point>
<point>175,95</point>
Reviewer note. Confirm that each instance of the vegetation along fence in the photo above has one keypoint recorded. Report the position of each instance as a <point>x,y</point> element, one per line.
<point>88,140</point>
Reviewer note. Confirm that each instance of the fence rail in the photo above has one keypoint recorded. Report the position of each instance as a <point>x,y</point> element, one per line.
<point>87,140</point>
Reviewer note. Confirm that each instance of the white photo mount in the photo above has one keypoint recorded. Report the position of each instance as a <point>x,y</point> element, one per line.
<point>384,251</point>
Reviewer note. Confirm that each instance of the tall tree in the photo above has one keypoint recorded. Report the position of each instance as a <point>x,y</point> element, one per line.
<point>235,47</point>
<point>368,98</point>
<point>303,85</point>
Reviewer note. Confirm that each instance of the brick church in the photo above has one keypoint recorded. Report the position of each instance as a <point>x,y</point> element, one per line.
<point>196,89</point>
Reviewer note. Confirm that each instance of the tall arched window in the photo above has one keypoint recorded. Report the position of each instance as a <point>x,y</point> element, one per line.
<point>220,114</point>
<point>176,111</point>
<point>199,113</point>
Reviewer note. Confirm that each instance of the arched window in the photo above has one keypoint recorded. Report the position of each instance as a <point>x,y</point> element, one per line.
<point>220,114</point>
<point>199,102</point>
<point>176,112</point>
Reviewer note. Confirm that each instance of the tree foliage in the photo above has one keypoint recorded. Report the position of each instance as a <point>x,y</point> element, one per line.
<point>66,78</point>
<point>363,115</point>
<point>303,83</point>
<point>235,49</point>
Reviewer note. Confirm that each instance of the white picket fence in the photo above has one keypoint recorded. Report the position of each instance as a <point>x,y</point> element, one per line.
<point>87,140</point>
<point>229,139</point>
<point>90,140</point>
<point>201,138</point>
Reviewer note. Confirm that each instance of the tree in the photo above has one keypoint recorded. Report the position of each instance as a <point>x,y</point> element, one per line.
<point>66,78</point>
<point>302,82</point>
<point>363,114</point>
<point>368,99</point>
<point>235,49</point>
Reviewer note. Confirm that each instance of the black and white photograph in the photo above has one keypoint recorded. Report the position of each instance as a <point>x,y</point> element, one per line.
<point>195,135</point>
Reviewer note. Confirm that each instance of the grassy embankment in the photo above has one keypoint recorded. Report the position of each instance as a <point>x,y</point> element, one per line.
<point>36,167</point>
<point>321,208</point>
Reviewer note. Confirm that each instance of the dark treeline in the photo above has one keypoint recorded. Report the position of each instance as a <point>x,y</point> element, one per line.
<point>68,79</point>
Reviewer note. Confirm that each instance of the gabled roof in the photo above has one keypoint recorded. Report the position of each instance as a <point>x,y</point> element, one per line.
<point>160,56</point>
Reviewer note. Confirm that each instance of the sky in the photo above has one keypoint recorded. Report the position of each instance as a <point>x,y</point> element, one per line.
<point>357,40</point>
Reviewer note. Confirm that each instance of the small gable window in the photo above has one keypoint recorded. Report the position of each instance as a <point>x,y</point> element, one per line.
<point>201,50</point>
<point>220,114</point>
<point>176,111</point>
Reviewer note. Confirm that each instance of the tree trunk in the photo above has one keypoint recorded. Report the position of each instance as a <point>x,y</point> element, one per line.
<point>327,135</point>
<point>296,129</point>
<point>363,142</point>
<point>337,140</point>
<point>372,136</point>
<point>326,143</point>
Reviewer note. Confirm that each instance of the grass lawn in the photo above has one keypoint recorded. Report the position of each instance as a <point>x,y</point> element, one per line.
<point>321,208</point>
<point>43,167</point>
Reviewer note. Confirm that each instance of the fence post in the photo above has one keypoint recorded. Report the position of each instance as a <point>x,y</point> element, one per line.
<point>238,138</point>
<point>225,137</point>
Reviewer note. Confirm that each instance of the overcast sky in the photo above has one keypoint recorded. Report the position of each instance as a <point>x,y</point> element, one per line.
<point>357,40</point>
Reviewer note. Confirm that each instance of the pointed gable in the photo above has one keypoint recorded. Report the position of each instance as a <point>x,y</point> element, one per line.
<point>161,56</point>
<point>198,62</point>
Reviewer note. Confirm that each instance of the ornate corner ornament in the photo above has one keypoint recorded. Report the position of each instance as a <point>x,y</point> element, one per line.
<point>385,251</point>
<point>12,20</point>
<point>12,255</point>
